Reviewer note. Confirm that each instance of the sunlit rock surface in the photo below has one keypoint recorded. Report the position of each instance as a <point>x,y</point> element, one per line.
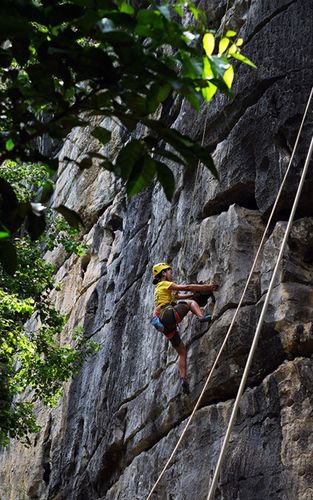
<point>121,417</point>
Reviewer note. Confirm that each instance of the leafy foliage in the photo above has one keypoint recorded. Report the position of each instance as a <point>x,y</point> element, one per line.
<point>65,61</point>
<point>33,181</point>
<point>59,232</point>
<point>32,360</point>
<point>27,180</point>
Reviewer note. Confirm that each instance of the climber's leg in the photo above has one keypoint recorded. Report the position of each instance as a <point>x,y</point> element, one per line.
<point>182,366</point>
<point>182,359</point>
<point>196,309</point>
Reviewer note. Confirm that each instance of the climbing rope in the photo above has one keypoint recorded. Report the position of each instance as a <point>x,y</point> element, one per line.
<point>240,301</point>
<point>224,18</point>
<point>222,29</point>
<point>259,326</point>
<point>183,248</point>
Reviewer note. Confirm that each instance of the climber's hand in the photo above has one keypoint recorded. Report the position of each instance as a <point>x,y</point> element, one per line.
<point>213,287</point>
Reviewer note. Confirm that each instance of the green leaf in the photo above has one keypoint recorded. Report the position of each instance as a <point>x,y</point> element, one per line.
<point>208,43</point>
<point>207,69</point>
<point>102,134</point>
<point>219,65</point>
<point>192,67</point>
<point>193,9</point>
<point>178,9</point>
<point>148,20</point>
<point>194,99</point>
<point>229,76</point>
<point>166,178</point>
<point>4,234</point>
<point>141,175</point>
<point>160,92</point>
<point>230,33</point>
<point>184,145</point>
<point>224,42</point>
<point>128,157</point>
<point>102,98</point>
<point>70,216</point>
<point>232,49</point>
<point>137,103</point>
<point>126,8</point>
<point>9,145</point>
<point>162,152</point>
<point>209,91</point>
<point>244,59</point>
<point>204,156</point>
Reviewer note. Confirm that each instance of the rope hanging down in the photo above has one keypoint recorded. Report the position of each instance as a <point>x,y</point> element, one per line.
<point>222,28</point>
<point>259,326</point>
<point>240,301</point>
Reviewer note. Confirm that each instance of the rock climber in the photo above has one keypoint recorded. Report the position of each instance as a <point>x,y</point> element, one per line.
<point>169,312</point>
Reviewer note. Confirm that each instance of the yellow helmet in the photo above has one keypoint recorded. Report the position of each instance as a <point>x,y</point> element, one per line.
<point>157,268</point>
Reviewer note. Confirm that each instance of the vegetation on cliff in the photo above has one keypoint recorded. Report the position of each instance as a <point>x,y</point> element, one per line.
<point>31,358</point>
<point>66,61</point>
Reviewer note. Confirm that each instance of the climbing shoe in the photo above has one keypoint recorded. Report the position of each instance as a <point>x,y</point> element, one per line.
<point>206,319</point>
<point>185,386</point>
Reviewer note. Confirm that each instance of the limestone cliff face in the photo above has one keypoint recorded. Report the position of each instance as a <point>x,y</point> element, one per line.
<point>121,417</point>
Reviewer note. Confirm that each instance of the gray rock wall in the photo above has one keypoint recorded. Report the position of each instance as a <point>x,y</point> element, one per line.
<point>121,417</point>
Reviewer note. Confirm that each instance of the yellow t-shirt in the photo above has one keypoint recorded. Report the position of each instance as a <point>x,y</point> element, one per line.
<point>162,294</point>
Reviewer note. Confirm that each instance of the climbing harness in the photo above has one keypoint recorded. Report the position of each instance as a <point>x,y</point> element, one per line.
<point>253,347</point>
<point>168,328</point>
